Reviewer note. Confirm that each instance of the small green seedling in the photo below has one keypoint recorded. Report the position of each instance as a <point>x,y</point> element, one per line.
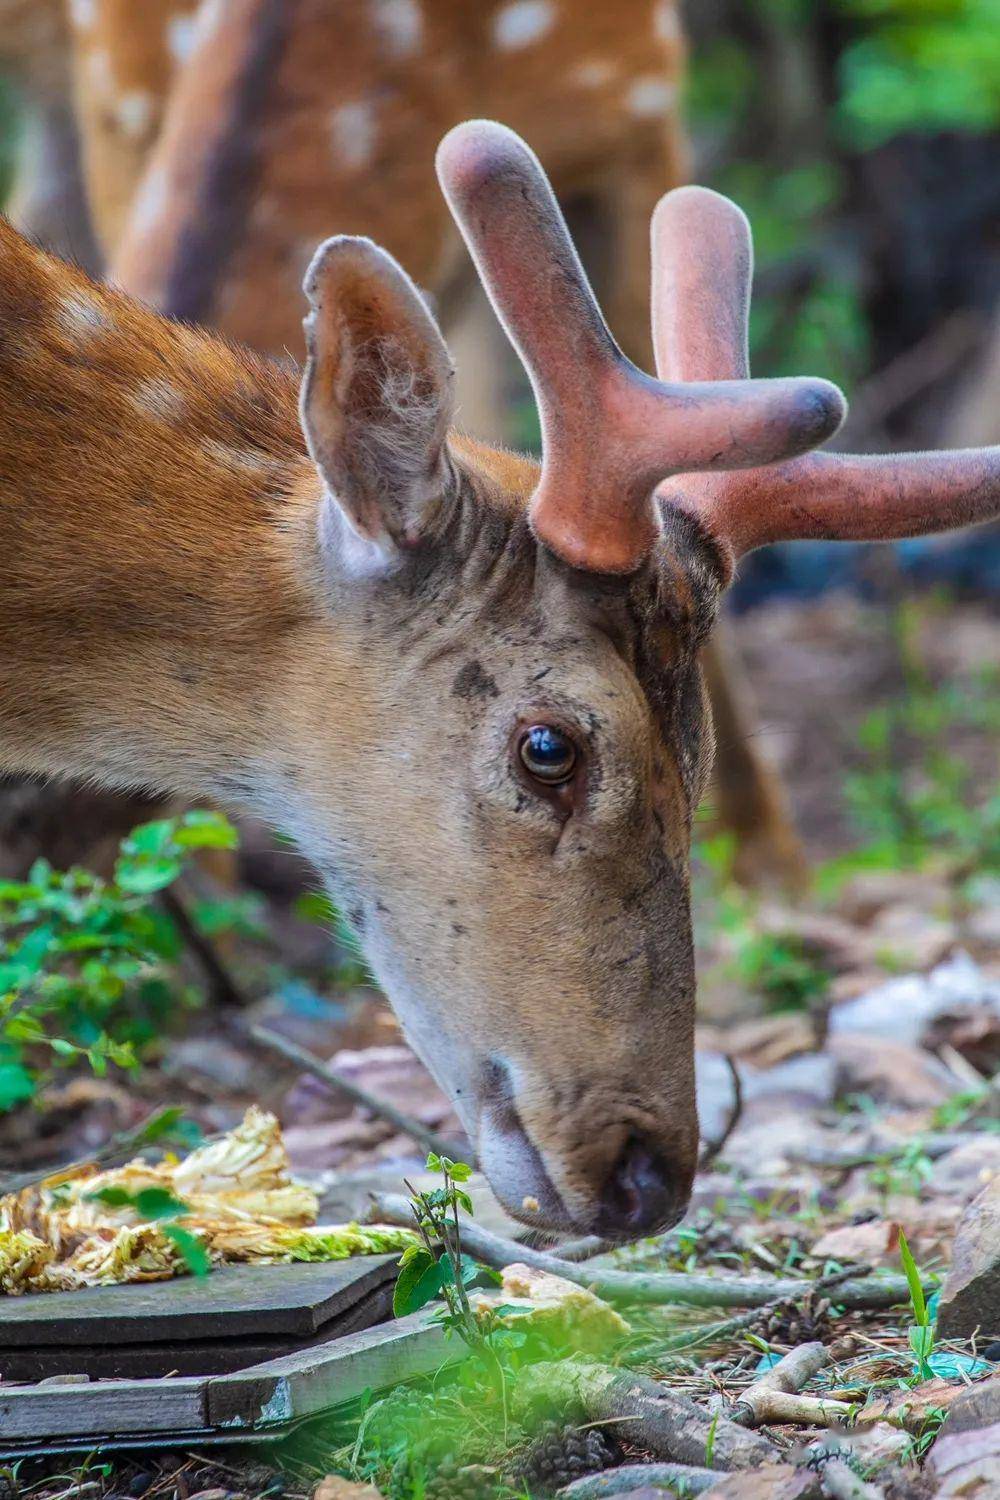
<point>921,1332</point>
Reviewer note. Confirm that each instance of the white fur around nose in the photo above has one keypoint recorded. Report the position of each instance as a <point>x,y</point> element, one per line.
<point>523,22</point>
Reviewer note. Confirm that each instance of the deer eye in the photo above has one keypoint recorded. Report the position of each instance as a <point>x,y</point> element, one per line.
<point>548,754</point>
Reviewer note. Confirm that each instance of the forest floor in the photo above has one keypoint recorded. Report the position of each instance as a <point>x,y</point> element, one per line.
<point>864,1022</point>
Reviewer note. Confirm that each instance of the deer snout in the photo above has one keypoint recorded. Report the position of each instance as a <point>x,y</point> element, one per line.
<point>644,1194</point>
<point>621,1187</point>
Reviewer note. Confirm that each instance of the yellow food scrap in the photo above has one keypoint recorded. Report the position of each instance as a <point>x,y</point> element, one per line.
<point>239,1198</point>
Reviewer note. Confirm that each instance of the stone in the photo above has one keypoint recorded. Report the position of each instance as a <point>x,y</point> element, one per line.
<point>769,1482</point>
<point>871,891</point>
<point>892,1072</point>
<point>902,1008</point>
<point>964,1172</point>
<point>912,936</point>
<point>876,1243</point>
<point>967,1464</point>
<point>970,1297</point>
<point>977,1406</point>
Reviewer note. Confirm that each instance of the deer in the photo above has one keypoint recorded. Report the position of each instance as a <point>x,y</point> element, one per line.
<point>467,683</point>
<point>222,140</point>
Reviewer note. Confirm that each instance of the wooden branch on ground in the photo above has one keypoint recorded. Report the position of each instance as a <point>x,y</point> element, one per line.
<point>309,1063</point>
<point>682,1478</point>
<point>652,1287</point>
<point>789,1375</point>
<point>641,1412</point>
<point>710,1333</point>
<point>712,1149</point>
<point>222,986</point>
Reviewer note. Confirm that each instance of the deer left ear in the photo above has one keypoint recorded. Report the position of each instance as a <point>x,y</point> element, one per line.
<point>376,400</point>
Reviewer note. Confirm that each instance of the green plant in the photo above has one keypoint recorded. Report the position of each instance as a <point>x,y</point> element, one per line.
<point>437,1266</point>
<point>921,1331</point>
<point>86,964</point>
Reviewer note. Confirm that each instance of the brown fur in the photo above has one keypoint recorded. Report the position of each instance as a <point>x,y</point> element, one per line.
<point>166,619</point>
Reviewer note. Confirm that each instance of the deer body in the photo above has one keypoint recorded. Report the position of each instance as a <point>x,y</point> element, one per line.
<point>469,686</point>
<point>168,618</point>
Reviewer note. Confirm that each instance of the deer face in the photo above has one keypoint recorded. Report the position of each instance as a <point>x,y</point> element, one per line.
<point>514,846</point>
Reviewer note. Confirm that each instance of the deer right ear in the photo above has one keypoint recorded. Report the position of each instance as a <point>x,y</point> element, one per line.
<point>376,402</point>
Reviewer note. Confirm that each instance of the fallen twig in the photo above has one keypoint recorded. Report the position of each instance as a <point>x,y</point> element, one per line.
<point>630,1477</point>
<point>657,1286</point>
<point>309,1063</point>
<point>654,1419</point>
<point>710,1333</point>
<point>791,1373</point>
<point>222,985</point>
<point>772,1405</point>
<point>711,1149</point>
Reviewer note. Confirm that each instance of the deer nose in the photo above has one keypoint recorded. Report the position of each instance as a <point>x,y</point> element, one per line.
<point>642,1195</point>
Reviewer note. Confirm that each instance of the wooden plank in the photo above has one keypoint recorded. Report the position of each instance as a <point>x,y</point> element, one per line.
<point>314,1380</point>
<point>111,1408</point>
<point>127,1361</point>
<point>291,1300</point>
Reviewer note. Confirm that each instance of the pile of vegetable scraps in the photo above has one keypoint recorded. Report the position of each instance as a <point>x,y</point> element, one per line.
<point>233,1199</point>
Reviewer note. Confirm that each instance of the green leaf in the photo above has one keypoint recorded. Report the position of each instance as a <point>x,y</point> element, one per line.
<point>196,1257</point>
<point>460,1171</point>
<point>913,1281</point>
<point>17,1085</point>
<point>417,1283</point>
<point>143,877</point>
<point>433,1163</point>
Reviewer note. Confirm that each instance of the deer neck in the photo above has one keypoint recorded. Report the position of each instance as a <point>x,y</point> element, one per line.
<point>157,528</point>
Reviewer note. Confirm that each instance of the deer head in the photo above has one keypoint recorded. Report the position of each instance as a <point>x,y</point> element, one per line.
<point>468,685</point>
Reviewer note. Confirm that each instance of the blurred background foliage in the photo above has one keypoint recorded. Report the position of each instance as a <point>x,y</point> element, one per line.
<point>860,136</point>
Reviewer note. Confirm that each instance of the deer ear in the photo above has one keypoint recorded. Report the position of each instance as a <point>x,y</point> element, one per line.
<point>376,400</point>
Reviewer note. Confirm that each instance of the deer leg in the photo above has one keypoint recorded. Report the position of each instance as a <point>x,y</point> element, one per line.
<point>749,796</point>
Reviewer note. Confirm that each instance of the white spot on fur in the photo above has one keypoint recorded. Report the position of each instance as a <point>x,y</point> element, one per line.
<point>401,25</point>
<point>353,128</point>
<point>135,112</point>
<point>650,96</point>
<point>156,397</point>
<point>82,315</point>
<point>247,459</point>
<point>150,201</point>
<point>523,22</point>
<point>82,14</point>
<point>593,75</point>
<point>209,16</point>
<point>99,70</point>
<point>666,22</point>
<point>181,34</point>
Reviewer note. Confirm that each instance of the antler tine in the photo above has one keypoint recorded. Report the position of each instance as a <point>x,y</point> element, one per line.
<point>610,433</point>
<point>840,497</point>
<point>702,276</point>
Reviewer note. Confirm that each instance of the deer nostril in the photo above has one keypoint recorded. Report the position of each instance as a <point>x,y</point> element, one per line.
<point>641,1196</point>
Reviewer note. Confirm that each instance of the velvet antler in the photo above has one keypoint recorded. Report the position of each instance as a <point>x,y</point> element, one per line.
<point>702,269</point>
<point>610,432</point>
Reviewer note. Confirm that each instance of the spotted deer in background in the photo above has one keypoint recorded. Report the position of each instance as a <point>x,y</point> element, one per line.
<point>468,684</point>
<point>286,118</point>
